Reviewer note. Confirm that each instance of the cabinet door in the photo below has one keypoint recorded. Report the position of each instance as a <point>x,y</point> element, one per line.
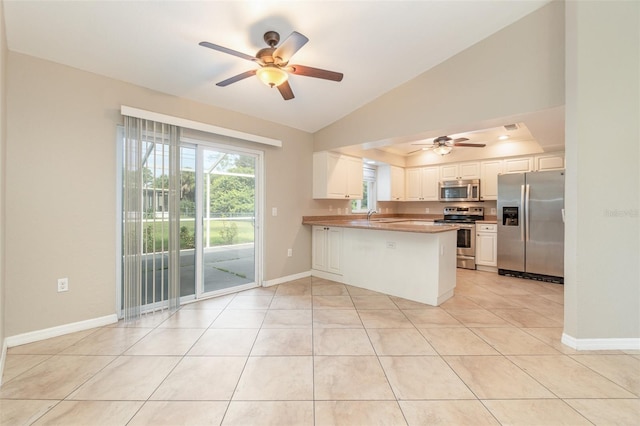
<point>397,183</point>
<point>353,178</point>
<point>486,248</point>
<point>334,250</point>
<point>469,170</point>
<point>550,162</point>
<point>518,165</point>
<point>337,175</point>
<point>430,184</point>
<point>319,248</point>
<point>413,184</point>
<point>489,179</point>
<point>449,172</point>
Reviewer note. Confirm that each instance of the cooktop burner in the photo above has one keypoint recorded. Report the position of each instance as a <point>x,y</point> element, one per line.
<point>462,215</point>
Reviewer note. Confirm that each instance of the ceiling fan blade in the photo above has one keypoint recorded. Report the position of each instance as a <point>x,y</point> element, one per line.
<point>460,140</point>
<point>472,145</point>
<point>315,72</point>
<point>227,50</point>
<point>290,46</point>
<point>236,78</point>
<point>285,91</point>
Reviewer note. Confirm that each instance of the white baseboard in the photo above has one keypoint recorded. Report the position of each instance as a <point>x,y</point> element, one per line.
<point>288,278</point>
<point>328,276</point>
<point>47,333</point>
<point>601,344</point>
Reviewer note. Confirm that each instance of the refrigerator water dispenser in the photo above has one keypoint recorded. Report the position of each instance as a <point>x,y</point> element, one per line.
<point>510,216</point>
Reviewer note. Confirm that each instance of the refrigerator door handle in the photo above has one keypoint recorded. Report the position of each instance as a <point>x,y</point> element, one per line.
<point>522,213</point>
<point>526,212</point>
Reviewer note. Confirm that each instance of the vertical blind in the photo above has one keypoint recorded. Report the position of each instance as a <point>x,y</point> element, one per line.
<point>151,217</point>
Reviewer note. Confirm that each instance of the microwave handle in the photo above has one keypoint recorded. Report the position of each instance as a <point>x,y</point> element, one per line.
<point>469,194</point>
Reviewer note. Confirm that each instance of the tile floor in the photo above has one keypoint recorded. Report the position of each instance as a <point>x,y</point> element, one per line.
<point>315,352</point>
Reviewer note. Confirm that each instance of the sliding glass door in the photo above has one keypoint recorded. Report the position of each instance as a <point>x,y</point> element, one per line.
<point>228,236</point>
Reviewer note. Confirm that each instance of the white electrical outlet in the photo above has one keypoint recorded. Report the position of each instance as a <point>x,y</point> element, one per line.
<point>274,211</point>
<point>63,284</point>
<point>289,252</point>
<point>426,209</point>
<point>391,245</point>
<point>493,211</point>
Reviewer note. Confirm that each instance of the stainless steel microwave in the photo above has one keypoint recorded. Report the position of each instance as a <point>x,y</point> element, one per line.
<point>459,190</point>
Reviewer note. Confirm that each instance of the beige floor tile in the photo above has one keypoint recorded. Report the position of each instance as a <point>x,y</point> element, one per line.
<point>337,341</point>
<point>553,373</point>
<point>329,318</point>
<point>294,341</point>
<point>526,318</point>
<point>621,369</point>
<point>513,341</point>
<point>225,342</point>
<point>238,318</point>
<point>173,413</point>
<point>608,411</point>
<point>434,317</point>
<point>456,341</point>
<point>276,378</point>
<point>326,289</point>
<point>51,346</point>
<point>446,413</point>
<point>552,336</point>
<point>82,413</point>
<point>401,341</point>
<point>166,341</point>
<point>535,412</point>
<point>250,302</point>
<point>288,318</point>
<point>276,413</point>
<point>478,318</point>
<point>493,301</point>
<point>54,378</point>
<point>373,302</point>
<point>294,289</point>
<point>259,291</point>
<point>350,378</point>
<point>408,304</point>
<point>291,302</point>
<point>214,303</point>
<point>201,379</point>
<point>127,378</point>
<point>151,320</point>
<point>459,303</point>
<point>423,377</point>
<point>107,341</point>
<point>495,377</point>
<point>387,318</point>
<point>350,413</point>
<point>17,364</point>
<point>23,412</point>
<point>332,302</point>
<point>191,318</point>
<point>358,291</point>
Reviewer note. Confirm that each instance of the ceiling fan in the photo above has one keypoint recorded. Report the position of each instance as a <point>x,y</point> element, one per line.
<point>444,144</point>
<point>274,63</point>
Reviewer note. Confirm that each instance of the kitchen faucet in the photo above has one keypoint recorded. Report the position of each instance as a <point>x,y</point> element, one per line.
<point>370,213</point>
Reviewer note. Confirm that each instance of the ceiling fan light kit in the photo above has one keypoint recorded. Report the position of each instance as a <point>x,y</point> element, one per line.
<point>274,63</point>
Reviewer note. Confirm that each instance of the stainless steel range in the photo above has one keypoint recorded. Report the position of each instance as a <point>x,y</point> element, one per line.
<point>465,218</point>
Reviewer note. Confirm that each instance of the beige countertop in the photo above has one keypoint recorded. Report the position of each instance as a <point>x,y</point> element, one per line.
<point>425,226</point>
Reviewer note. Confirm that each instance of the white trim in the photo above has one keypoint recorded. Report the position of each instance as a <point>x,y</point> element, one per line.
<point>3,358</point>
<point>47,333</point>
<point>288,278</point>
<point>601,344</point>
<point>196,125</point>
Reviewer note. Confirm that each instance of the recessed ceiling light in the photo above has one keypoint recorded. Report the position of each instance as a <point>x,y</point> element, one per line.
<point>503,137</point>
<point>371,162</point>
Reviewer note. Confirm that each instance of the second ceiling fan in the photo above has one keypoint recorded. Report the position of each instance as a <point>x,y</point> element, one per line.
<point>274,65</point>
<point>443,145</point>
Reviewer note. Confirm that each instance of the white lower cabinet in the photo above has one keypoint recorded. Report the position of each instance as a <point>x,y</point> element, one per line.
<point>326,253</point>
<point>487,246</point>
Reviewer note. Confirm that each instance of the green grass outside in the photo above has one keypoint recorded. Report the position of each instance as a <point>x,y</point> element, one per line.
<point>245,232</point>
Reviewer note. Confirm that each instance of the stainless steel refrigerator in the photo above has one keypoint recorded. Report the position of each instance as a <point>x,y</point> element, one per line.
<point>531,225</point>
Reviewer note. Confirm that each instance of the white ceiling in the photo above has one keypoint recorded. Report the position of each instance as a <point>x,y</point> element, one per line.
<point>377,45</point>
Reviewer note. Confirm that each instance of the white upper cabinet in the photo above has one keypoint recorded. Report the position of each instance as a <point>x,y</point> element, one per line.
<point>518,165</point>
<point>457,171</point>
<point>422,184</point>
<point>336,176</point>
<point>489,171</point>
<point>554,161</point>
<point>390,183</point>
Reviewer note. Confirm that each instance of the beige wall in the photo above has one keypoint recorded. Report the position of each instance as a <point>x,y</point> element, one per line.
<point>518,70</point>
<point>3,130</point>
<point>602,290</point>
<point>61,192</point>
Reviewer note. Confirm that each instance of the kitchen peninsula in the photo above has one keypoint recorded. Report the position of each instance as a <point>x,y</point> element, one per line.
<point>408,258</point>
